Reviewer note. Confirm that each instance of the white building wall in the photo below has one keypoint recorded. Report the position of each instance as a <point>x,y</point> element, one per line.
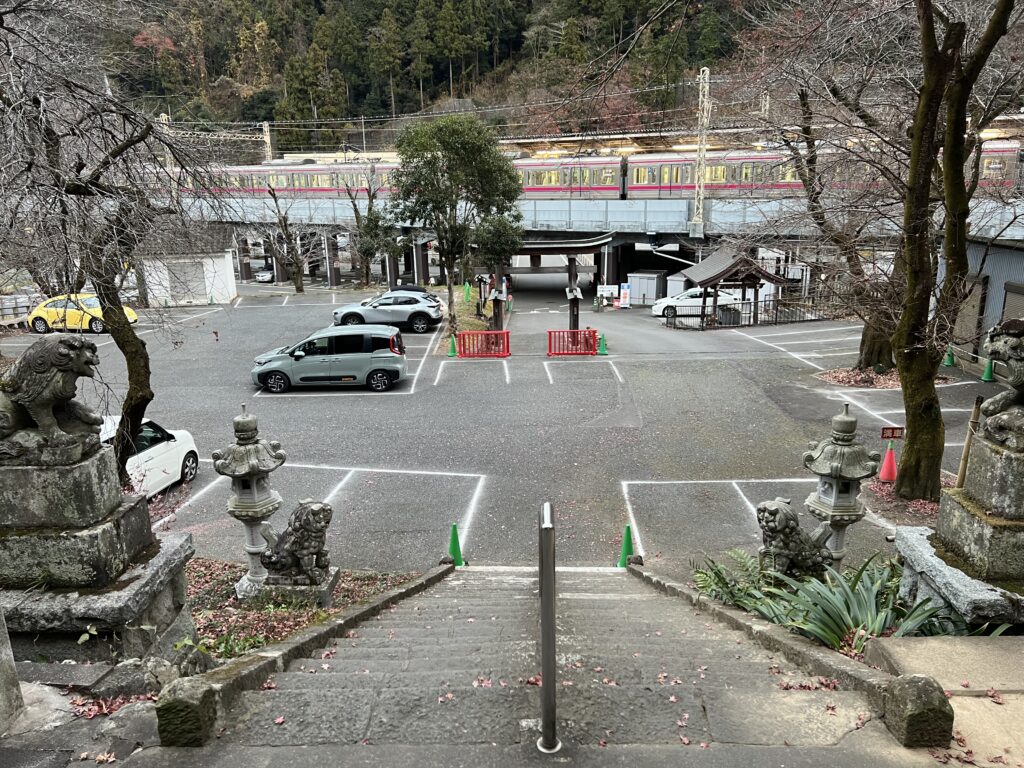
<point>218,283</point>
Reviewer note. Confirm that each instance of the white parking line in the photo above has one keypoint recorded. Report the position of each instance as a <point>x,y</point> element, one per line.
<point>285,302</point>
<point>810,330</point>
<point>467,518</point>
<point>815,341</point>
<point>632,520</point>
<point>850,351</point>
<point>750,506</point>
<point>172,322</point>
<point>845,397</point>
<point>616,370</point>
<point>781,349</point>
<point>192,498</point>
<point>238,301</point>
<point>441,365</point>
<point>504,364</point>
<point>336,489</point>
<point>416,376</point>
<point>547,370</point>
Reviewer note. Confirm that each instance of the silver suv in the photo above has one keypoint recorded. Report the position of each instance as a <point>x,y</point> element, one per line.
<point>372,355</point>
<point>415,310</point>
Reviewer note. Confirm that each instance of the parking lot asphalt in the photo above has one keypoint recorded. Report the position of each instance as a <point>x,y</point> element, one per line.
<point>679,432</point>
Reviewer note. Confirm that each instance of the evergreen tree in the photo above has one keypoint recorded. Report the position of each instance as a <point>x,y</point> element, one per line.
<point>710,36</point>
<point>451,42</point>
<point>421,43</point>
<point>256,54</point>
<point>386,50</point>
<point>570,47</point>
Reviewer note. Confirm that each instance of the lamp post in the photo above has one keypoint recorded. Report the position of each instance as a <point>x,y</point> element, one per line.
<point>841,463</point>
<point>249,462</point>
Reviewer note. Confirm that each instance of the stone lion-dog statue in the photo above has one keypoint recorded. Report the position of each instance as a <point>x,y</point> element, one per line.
<point>40,419</point>
<point>297,557</point>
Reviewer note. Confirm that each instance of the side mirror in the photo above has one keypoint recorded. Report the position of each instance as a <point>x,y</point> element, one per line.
<point>298,354</point>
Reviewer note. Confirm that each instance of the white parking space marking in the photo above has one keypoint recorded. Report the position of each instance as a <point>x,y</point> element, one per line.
<point>285,302</point>
<point>815,341</point>
<point>633,527</point>
<point>547,370</point>
<point>549,363</point>
<point>809,330</point>
<point>443,363</point>
<point>172,322</point>
<point>194,497</point>
<point>781,349</point>
<point>238,301</point>
<point>616,370</point>
<point>465,523</point>
<point>750,506</point>
<point>850,351</point>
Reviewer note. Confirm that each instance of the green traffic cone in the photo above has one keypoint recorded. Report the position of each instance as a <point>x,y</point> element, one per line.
<point>451,348</point>
<point>453,547</point>
<point>627,548</point>
<point>465,292</point>
<point>949,361</point>
<point>602,348</point>
<point>988,376</point>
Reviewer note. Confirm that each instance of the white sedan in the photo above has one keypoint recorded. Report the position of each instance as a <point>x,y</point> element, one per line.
<point>162,457</point>
<point>265,276</point>
<point>689,299</point>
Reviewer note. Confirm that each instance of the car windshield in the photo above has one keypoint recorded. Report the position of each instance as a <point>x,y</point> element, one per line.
<point>91,303</point>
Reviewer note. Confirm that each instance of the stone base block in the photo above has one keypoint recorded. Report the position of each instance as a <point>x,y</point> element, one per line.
<point>11,703</point>
<point>995,479</point>
<point>319,594</point>
<point>917,712</point>
<point>925,574</point>
<point>75,496</point>
<point>87,557</point>
<point>992,546</point>
<point>143,614</point>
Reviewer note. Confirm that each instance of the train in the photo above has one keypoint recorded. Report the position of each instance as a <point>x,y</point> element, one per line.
<point>667,175</point>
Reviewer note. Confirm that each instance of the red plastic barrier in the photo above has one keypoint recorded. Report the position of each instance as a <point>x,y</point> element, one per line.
<point>563,343</point>
<point>482,344</point>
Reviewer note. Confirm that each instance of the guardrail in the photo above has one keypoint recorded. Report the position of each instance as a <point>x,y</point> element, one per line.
<point>482,344</point>
<point>548,741</point>
<point>572,343</point>
<point>747,313</point>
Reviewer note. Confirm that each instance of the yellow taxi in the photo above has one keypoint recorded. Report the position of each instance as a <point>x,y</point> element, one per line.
<point>72,312</point>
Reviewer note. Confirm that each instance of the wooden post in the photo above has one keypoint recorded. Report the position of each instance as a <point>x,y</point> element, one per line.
<point>244,254</point>
<point>498,307</point>
<point>574,303</point>
<point>703,306</point>
<point>714,306</point>
<point>756,308</point>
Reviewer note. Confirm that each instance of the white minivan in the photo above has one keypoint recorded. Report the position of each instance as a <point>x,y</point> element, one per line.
<point>369,355</point>
<point>671,306</point>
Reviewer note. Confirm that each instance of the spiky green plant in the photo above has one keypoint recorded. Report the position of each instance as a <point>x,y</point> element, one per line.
<point>733,583</point>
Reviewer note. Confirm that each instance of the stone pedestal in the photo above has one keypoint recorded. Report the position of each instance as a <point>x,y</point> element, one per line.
<point>144,614</point>
<point>11,703</point>
<point>983,522</point>
<point>321,594</point>
<point>69,526</point>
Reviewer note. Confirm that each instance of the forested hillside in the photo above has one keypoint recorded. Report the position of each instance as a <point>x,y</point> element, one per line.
<point>254,60</point>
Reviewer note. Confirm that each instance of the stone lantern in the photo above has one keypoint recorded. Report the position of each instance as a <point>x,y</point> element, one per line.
<point>841,463</point>
<point>249,463</point>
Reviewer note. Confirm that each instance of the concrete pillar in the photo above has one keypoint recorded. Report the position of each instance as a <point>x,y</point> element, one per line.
<point>331,262</point>
<point>11,703</point>
<point>391,270</point>
<point>243,254</point>
<point>420,264</point>
<point>534,260</point>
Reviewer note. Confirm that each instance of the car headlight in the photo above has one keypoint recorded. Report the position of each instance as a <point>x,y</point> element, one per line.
<point>258,362</point>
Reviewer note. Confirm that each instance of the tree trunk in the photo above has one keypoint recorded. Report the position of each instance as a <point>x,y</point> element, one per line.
<point>921,463</point>
<point>421,94</point>
<point>391,85</point>
<point>875,348</point>
<point>449,265</point>
<point>300,287</point>
<point>136,356</point>
<point>451,80</point>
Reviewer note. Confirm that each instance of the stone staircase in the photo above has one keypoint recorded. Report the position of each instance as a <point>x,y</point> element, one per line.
<point>449,677</point>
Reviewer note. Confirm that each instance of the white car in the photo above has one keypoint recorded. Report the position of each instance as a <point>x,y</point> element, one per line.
<point>689,299</point>
<point>162,457</point>
<point>265,276</point>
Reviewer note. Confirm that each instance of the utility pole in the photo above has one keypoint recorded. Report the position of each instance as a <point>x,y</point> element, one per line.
<point>703,125</point>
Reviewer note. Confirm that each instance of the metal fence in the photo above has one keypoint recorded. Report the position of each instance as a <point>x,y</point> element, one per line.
<point>771,311</point>
<point>572,343</point>
<point>483,344</point>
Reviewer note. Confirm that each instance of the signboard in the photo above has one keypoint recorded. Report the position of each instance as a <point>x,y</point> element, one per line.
<point>611,291</point>
<point>624,296</point>
<point>893,433</point>
<point>573,293</point>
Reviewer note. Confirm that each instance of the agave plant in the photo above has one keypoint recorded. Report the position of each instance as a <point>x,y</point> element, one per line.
<point>844,612</point>
<point>734,583</point>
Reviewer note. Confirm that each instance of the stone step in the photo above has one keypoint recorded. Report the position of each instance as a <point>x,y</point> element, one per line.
<point>382,649</point>
<point>393,715</point>
<point>381,680</point>
<point>442,632</point>
<point>475,664</point>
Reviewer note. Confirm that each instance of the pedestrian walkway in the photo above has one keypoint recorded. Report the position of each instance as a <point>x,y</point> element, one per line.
<point>450,677</point>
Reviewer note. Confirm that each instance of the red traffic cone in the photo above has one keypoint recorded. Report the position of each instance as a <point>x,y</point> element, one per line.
<point>888,473</point>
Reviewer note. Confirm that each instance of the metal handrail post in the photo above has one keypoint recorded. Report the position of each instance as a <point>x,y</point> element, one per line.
<point>548,741</point>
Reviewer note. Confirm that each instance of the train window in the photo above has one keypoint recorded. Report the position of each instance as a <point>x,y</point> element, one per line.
<point>279,181</point>
<point>788,172</point>
<point>606,177</point>
<point>993,167</point>
<point>645,174</point>
<point>580,177</point>
<point>383,179</point>
<point>715,173</point>
<point>552,178</point>
<point>522,176</point>
<point>748,173</point>
<point>320,180</point>
<point>687,173</point>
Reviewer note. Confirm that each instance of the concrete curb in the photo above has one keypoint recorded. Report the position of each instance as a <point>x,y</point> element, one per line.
<point>190,709</point>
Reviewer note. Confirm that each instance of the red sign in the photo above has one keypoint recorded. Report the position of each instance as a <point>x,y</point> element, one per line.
<point>893,433</point>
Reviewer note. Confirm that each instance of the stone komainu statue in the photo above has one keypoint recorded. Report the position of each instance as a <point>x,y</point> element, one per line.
<point>297,557</point>
<point>788,549</point>
<point>1004,422</point>
<point>40,420</point>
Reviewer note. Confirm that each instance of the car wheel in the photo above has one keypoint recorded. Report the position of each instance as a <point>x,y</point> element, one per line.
<point>277,382</point>
<point>670,311</point>
<point>189,467</point>
<point>96,325</point>
<point>40,326</point>
<point>419,324</point>
<point>351,320</point>
<point>379,381</point>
